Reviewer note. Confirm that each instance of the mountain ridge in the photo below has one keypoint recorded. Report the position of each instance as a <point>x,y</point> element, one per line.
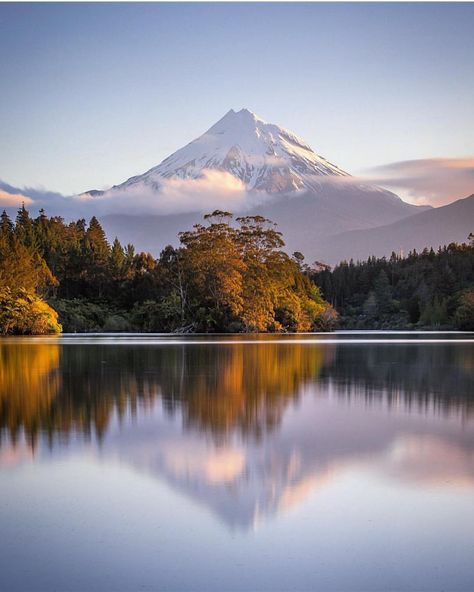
<point>432,228</point>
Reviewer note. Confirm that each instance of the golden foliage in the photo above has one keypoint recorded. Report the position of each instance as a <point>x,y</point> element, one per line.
<point>24,313</point>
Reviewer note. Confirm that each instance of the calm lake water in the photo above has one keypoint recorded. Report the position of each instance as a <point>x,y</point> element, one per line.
<point>315,462</point>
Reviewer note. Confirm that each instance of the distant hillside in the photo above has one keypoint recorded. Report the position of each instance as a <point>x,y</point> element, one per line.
<point>431,228</point>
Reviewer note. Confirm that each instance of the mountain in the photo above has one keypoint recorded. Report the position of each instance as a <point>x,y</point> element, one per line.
<point>306,195</point>
<point>262,155</point>
<point>432,228</point>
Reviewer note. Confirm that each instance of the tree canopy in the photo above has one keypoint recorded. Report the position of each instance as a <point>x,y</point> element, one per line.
<point>428,289</point>
<point>227,275</point>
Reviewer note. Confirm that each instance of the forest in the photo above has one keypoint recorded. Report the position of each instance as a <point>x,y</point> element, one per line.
<point>431,289</point>
<point>228,275</point>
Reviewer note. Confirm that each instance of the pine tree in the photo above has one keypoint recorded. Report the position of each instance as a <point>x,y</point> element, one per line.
<point>24,230</point>
<point>6,226</point>
<point>96,254</point>
<point>117,260</point>
<point>383,293</point>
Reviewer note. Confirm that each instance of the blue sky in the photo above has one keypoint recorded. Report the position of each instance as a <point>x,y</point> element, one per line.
<point>94,93</point>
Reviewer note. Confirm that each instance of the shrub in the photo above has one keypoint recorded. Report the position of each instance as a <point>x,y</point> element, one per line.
<point>464,316</point>
<point>24,313</point>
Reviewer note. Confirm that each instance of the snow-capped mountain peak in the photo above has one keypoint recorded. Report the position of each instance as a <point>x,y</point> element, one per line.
<point>263,156</point>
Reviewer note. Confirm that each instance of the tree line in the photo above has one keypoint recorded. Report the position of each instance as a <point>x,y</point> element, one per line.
<point>431,289</point>
<point>227,275</point>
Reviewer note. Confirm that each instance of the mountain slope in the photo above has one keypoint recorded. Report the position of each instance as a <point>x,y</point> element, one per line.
<point>262,155</point>
<point>432,228</point>
<point>266,160</point>
<point>309,197</point>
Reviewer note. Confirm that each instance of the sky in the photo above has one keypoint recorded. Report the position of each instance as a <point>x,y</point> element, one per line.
<point>92,94</point>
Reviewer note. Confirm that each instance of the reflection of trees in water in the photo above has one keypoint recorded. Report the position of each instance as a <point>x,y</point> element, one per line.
<point>244,387</point>
<point>431,376</point>
<point>57,390</point>
<point>217,389</point>
<point>54,390</point>
<point>29,383</point>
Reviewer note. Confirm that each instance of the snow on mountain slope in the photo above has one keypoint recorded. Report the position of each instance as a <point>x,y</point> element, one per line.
<point>241,164</point>
<point>262,155</point>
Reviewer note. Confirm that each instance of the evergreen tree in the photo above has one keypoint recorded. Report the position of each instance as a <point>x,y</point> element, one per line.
<point>383,293</point>
<point>96,255</point>
<point>24,230</point>
<point>117,260</point>
<point>6,226</point>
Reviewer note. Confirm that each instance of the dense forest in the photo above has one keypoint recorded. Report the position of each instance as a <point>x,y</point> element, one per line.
<point>227,275</point>
<point>423,290</point>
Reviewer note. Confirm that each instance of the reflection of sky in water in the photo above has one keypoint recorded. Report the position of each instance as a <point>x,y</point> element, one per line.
<point>275,466</point>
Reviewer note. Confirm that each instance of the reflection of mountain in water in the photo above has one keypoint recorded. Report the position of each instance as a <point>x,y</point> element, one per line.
<point>250,430</point>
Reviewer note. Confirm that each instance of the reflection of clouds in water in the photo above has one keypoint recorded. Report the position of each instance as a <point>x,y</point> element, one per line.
<point>13,456</point>
<point>193,460</point>
<point>296,493</point>
<point>431,460</point>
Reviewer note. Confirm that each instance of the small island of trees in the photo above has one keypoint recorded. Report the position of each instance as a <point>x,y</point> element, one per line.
<point>227,276</point>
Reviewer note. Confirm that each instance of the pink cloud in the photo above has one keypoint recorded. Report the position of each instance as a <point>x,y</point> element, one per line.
<point>433,181</point>
<point>13,199</point>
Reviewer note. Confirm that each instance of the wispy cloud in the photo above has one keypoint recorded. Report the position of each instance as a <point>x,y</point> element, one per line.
<point>54,203</point>
<point>433,181</point>
<point>428,181</point>
<point>214,189</point>
<point>8,199</point>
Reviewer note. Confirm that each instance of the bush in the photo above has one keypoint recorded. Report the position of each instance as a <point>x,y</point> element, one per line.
<point>81,316</point>
<point>464,316</point>
<point>327,319</point>
<point>24,313</point>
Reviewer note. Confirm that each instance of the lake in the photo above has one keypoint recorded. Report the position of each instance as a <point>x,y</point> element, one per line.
<point>304,462</point>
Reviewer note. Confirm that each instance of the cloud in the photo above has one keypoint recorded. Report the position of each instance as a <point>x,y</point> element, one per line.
<point>8,199</point>
<point>36,198</point>
<point>213,189</point>
<point>433,181</point>
<point>428,181</point>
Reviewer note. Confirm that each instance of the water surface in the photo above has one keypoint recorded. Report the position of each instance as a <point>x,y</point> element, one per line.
<point>306,462</point>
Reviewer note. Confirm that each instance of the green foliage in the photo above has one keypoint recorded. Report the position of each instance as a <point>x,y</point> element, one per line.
<point>22,268</point>
<point>421,290</point>
<point>464,316</point>
<point>227,275</point>
<point>434,314</point>
<point>82,316</point>
<point>383,294</point>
